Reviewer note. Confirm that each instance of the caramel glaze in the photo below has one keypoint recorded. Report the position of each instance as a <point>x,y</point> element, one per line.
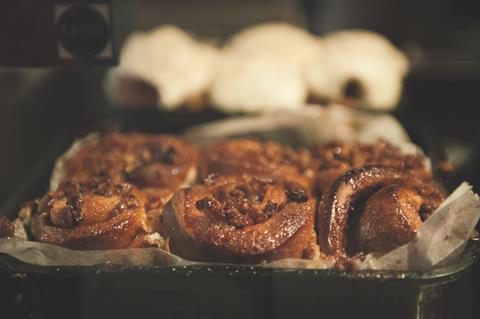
<point>334,159</point>
<point>157,164</point>
<point>250,156</point>
<point>96,215</point>
<point>374,208</point>
<point>7,229</point>
<point>241,219</point>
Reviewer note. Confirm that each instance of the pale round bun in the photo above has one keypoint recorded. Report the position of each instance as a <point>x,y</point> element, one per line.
<point>367,58</point>
<point>291,43</point>
<point>178,66</point>
<point>259,82</point>
<point>262,69</point>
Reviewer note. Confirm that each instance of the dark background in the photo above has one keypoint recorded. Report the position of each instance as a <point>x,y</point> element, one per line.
<point>43,109</point>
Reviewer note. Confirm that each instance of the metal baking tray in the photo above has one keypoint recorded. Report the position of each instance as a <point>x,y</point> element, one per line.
<point>106,291</point>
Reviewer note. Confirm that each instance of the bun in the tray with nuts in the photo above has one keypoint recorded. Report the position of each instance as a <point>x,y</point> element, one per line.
<point>241,219</point>
<point>157,164</point>
<point>254,157</point>
<point>335,158</point>
<point>374,208</point>
<point>95,215</point>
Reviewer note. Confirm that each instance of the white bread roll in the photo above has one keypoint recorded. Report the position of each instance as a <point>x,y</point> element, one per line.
<point>259,82</point>
<point>364,57</point>
<point>177,65</point>
<point>262,69</point>
<point>288,42</point>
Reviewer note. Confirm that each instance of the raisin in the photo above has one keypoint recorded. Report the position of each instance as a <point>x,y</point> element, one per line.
<point>204,203</point>
<point>296,194</point>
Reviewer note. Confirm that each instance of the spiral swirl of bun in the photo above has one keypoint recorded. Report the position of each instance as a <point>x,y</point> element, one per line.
<point>157,164</point>
<point>241,219</point>
<point>336,158</point>
<point>96,215</point>
<point>374,208</point>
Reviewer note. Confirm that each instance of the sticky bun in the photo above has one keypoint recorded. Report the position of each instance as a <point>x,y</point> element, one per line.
<point>157,164</point>
<point>241,219</point>
<point>335,158</point>
<point>374,209</point>
<point>251,156</point>
<point>96,215</point>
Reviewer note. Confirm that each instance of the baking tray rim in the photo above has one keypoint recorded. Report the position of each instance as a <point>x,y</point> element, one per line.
<point>18,268</point>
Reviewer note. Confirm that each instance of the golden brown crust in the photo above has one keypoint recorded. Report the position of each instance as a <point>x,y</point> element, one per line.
<point>241,219</point>
<point>361,209</point>
<point>96,215</point>
<point>159,164</point>
<point>250,156</point>
<point>335,158</point>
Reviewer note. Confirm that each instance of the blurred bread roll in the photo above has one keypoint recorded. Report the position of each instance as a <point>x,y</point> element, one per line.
<point>362,67</point>
<point>178,66</point>
<point>353,67</point>
<point>257,83</point>
<point>262,69</point>
<point>290,43</point>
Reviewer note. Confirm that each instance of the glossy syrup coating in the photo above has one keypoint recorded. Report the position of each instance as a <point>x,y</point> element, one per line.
<point>96,215</point>
<point>254,157</point>
<point>157,164</point>
<point>389,219</point>
<point>362,204</point>
<point>241,219</point>
<point>336,158</point>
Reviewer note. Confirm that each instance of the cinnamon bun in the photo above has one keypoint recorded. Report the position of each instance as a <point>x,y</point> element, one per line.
<point>157,164</point>
<point>374,209</point>
<point>241,219</point>
<point>96,215</point>
<point>336,158</point>
<point>251,156</point>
